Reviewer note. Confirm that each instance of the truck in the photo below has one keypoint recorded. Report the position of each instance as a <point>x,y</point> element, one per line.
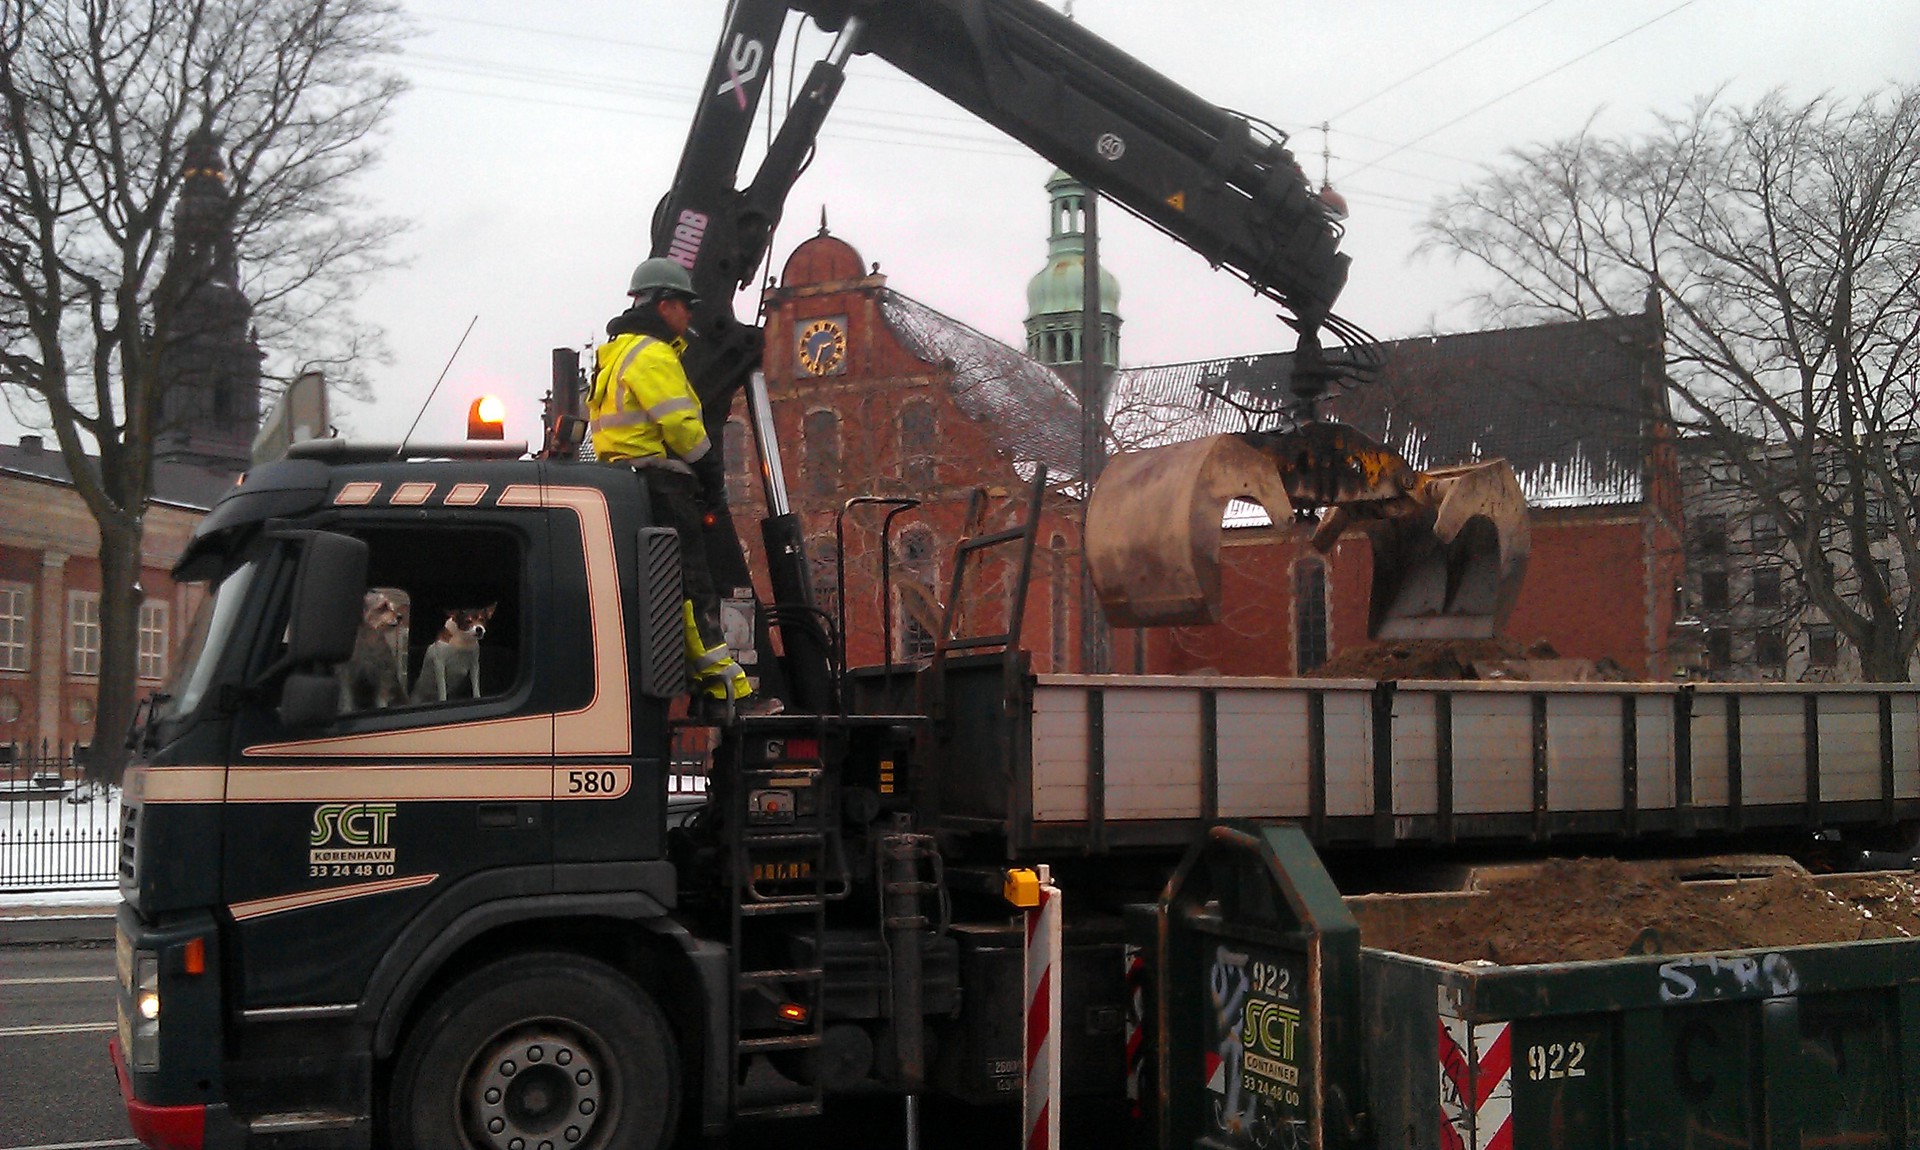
<point>468,915</point>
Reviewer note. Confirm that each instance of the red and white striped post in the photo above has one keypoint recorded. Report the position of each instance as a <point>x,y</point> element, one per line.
<point>1042,1084</point>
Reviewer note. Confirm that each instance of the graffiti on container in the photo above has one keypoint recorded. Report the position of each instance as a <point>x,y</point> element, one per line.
<point>1254,1067</point>
<point>1727,976</point>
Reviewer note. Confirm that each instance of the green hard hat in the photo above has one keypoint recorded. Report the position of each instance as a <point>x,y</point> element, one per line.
<point>659,276</point>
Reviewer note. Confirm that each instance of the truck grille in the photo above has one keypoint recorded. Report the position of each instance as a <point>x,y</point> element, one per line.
<point>129,827</point>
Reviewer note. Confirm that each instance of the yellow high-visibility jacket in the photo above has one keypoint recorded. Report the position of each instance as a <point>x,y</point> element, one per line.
<point>642,403</point>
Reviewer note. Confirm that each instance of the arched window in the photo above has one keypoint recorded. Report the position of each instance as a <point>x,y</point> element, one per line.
<point>1309,615</point>
<point>822,441</point>
<point>917,445</point>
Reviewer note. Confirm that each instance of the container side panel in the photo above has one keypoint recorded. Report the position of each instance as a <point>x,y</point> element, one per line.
<point>1564,1082</point>
<point>1153,753</point>
<point>1773,749</point>
<point>1059,754</point>
<point>1415,762</point>
<point>1583,753</point>
<point>1849,747</point>
<point>1844,1088</point>
<point>1404,1073</point>
<point>1349,753</point>
<point>1653,725</point>
<point>1263,754</point>
<point>1906,746</point>
<point>1710,751</point>
<point>1492,754</point>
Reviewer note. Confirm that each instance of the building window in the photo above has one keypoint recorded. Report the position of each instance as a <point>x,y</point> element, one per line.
<point>739,462</point>
<point>1713,590</point>
<point>823,559</point>
<point>917,445</point>
<point>1710,535</point>
<point>153,640</point>
<point>916,642</point>
<point>822,440</point>
<point>1770,649</point>
<point>1719,648</point>
<point>1823,645</point>
<point>1766,587</point>
<point>83,632</point>
<point>15,624</point>
<point>1310,615</point>
<point>1060,601</point>
<point>1764,530</point>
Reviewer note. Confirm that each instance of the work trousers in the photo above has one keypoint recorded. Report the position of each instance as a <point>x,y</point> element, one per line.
<point>676,503</point>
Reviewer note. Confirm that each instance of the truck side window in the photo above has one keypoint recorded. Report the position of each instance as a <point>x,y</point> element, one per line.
<point>441,619</point>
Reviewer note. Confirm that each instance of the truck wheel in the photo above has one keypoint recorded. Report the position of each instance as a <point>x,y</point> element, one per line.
<point>540,1052</point>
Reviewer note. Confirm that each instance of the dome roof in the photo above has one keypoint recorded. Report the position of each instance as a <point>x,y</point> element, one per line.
<point>823,259</point>
<point>1058,288</point>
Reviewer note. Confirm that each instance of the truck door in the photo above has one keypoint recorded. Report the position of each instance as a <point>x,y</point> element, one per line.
<point>434,784</point>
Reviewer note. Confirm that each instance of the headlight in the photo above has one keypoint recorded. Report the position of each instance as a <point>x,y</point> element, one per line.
<point>145,1040</point>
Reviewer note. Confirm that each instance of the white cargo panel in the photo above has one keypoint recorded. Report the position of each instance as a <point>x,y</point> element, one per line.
<point>1118,760</point>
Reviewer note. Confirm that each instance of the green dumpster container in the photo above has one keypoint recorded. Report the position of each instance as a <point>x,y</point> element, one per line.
<point>1812,1046</point>
<point>1257,1022</point>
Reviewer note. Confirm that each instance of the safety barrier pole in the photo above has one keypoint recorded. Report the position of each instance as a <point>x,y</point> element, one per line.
<point>1041,1090</point>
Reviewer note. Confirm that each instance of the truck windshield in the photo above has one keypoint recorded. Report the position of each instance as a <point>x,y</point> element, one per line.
<point>212,627</point>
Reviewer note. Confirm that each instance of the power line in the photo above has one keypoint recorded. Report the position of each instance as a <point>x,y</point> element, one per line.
<point>1517,89</point>
<point>1419,72</point>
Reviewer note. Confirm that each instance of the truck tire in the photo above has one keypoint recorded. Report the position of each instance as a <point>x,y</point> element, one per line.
<point>538,1052</point>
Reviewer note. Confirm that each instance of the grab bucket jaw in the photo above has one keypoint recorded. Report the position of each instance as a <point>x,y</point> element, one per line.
<point>1153,527</point>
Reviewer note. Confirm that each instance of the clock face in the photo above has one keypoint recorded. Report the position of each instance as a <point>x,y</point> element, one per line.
<point>822,346</point>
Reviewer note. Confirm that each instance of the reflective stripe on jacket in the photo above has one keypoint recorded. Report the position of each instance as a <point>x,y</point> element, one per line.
<point>642,404</point>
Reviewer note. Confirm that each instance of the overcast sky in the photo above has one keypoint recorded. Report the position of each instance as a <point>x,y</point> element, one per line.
<point>537,139</point>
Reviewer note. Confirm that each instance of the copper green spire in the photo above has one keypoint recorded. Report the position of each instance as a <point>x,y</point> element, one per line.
<point>1054,295</point>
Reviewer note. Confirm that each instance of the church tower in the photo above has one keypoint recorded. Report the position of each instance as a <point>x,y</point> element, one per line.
<point>209,364</point>
<point>1054,295</point>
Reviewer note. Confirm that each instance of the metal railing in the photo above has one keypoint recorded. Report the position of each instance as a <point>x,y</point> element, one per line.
<point>57,830</point>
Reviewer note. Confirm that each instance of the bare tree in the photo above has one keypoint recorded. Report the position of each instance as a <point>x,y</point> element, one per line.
<point>102,103</point>
<point>1782,243</point>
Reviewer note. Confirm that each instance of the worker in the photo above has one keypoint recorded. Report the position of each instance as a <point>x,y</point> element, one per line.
<point>643,414</point>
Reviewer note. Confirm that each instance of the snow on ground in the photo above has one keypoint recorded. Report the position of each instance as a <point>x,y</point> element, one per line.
<point>67,841</point>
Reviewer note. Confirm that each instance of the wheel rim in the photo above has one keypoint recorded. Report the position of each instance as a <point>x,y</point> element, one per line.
<point>537,1088</point>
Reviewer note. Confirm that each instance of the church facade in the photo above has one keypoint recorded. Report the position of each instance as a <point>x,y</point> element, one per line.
<point>885,397</point>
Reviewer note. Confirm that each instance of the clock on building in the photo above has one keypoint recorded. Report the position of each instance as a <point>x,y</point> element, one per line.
<point>822,346</point>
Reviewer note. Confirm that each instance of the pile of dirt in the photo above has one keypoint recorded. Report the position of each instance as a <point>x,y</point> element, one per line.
<point>1465,659</point>
<point>1570,910</point>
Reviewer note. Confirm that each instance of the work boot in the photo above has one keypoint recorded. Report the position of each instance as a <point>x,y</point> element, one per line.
<point>722,712</point>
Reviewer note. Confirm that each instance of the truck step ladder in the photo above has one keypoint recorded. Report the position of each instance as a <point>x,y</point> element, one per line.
<point>780,865</point>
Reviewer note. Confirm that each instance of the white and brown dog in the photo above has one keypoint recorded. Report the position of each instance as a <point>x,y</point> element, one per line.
<point>375,674</point>
<point>454,656</point>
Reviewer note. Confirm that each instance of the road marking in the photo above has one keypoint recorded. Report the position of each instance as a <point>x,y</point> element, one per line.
<point>66,1028</point>
<point>77,1145</point>
<point>61,980</point>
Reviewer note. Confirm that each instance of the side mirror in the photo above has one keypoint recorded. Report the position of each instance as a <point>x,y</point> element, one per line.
<point>309,699</point>
<point>327,600</point>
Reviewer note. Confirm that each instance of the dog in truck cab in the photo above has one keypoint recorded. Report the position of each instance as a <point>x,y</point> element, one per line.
<point>454,656</point>
<point>374,675</point>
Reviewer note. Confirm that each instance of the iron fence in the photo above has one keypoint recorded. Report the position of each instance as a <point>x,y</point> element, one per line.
<point>57,830</point>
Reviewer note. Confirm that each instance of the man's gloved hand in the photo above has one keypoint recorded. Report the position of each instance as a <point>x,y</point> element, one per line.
<point>712,477</point>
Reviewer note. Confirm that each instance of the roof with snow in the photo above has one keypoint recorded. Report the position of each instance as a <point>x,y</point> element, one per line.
<point>1567,404</point>
<point>182,485</point>
<point>1034,415</point>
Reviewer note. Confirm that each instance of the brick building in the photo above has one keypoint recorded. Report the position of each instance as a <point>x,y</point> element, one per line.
<point>877,394</point>
<point>1578,409</point>
<point>50,592</point>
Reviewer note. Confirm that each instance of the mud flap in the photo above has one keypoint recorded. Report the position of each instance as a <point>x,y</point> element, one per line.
<point>1153,527</point>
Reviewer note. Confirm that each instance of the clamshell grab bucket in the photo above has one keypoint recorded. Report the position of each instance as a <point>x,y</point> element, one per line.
<point>1153,527</point>
<point>1452,568</point>
<point>1450,546</point>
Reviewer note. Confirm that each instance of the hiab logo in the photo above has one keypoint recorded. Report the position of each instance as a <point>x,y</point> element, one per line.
<point>352,824</point>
